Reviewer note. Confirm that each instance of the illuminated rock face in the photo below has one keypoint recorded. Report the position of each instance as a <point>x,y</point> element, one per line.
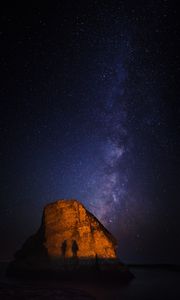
<point>67,230</point>
<point>69,239</point>
<point>70,230</point>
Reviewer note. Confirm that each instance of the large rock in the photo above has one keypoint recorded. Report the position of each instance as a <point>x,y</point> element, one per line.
<point>67,222</point>
<point>69,236</point>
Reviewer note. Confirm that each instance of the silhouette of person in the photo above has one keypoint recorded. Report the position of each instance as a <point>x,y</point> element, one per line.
<point>63,248</point>
<point>75,248</point>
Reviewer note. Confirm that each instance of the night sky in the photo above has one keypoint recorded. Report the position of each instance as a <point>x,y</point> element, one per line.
<point>89,110</point>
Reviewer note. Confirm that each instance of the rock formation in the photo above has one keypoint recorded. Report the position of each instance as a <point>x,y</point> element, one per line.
<point>66,223</point>
<point>68,233</point>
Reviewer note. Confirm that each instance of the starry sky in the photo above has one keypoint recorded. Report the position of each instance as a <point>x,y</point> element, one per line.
<point>89,110</point>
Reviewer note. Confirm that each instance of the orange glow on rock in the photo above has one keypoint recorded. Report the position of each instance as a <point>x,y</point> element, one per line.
<point>67,223</point>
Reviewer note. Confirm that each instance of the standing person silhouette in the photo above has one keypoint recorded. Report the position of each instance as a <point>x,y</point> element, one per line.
<point>63,248</point>
<point>75,248</point>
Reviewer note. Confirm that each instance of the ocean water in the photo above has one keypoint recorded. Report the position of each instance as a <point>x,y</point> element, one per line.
<point>149,283</point>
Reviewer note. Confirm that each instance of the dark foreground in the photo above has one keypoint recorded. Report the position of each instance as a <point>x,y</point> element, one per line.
<point>149,283</point>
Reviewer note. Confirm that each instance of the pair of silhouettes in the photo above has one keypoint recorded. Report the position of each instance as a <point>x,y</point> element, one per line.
<point>74,248</point>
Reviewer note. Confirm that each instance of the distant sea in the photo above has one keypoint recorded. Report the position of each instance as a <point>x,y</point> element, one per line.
<point>150,283</point>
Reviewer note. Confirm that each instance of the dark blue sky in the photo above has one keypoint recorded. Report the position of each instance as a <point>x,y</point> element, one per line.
<point>89,110</point>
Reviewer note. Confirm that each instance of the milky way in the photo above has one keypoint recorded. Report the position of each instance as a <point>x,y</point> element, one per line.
<point>110,188</point>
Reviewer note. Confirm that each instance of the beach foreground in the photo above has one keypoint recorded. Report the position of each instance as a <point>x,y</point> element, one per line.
<point>149,283</point>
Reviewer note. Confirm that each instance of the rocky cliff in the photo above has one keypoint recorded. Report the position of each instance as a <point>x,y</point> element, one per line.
<point>70,239</point>
<point>68,230</point>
